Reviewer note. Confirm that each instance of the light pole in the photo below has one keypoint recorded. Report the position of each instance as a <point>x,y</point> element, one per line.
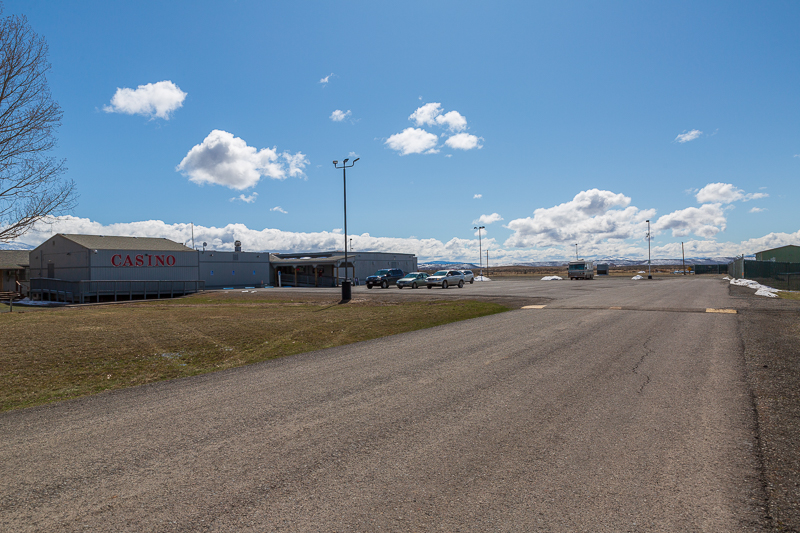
<point>480,250</point>
<point>576,251</point>
<point>346,289</point>
<point>649,275</point>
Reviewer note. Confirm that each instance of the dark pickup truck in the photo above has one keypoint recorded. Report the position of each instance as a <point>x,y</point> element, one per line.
<point>384,277</point>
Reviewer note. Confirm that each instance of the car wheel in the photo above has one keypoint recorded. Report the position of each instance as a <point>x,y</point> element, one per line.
<point>369,285</point>
<point>384,285</point>
<point>430,286</point>
<point>399,286</point>
<point>413,285</point>
<point>471,281</point>
<point>461,284</point>
<point>444,284</point>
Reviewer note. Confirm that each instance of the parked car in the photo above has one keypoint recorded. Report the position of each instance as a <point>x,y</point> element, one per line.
<point>384,277</point>
<point>469,277</point>
<point>412,279</point>
<point>444,278</point>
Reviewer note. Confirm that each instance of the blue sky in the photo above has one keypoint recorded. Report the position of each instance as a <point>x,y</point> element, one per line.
<point>549,123</point>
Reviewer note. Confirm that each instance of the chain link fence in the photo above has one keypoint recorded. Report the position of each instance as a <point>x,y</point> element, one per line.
<point>785,276</point>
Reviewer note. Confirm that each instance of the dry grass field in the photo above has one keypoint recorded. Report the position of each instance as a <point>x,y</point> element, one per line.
<point>55,354</point>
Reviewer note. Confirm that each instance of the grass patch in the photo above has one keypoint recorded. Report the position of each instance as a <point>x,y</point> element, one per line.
<point>786,295</point>
<point>51,354</point>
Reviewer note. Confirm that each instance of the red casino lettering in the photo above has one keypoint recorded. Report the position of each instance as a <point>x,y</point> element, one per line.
<point>139,261</point>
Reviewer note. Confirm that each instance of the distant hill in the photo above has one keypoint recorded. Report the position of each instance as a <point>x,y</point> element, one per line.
<point>15,246</point>
<point>428,265</point>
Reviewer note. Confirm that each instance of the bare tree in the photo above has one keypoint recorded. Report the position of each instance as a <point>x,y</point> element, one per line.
<point>31,184</point>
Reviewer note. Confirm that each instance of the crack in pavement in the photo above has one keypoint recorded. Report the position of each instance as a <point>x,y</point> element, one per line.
<point>635,370</point>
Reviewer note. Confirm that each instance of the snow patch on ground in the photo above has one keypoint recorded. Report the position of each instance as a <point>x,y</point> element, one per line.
<point>640,272</point>
<point>637,276</point>
<point>768,294</point>
<point>552,278</point>
<point>28,301</point>
<point>761,290</point>
<point>482,278</point>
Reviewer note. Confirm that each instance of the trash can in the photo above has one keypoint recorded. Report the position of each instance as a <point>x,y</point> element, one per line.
<point>347,291</point>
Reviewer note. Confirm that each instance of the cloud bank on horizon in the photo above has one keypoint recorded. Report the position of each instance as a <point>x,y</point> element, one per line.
<point>603,223</point>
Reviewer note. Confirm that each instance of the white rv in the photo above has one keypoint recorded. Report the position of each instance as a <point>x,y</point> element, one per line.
<point>581,270</point>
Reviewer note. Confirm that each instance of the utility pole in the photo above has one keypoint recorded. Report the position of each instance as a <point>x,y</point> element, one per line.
<point>683,253</point>
<point>346,288</point>
<point>649,275</point>
<point>480,253</point>
<point>576,252</point>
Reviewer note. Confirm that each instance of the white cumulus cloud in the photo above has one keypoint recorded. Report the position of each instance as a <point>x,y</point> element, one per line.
<point>477,196</point>
<point>591,216</point>
<point>151,100</point>
<point>432,114</point>
<point>688,136</point>
<point>488,219</point>
<point>339,115</point>
<point>412,141</point>
<point>725,193</point>
<point>426,115</point>
<point>279,209</point>
<point>704,221</point>
<point>464,141</point>
<point>246,199</point>
<point>757,210</point>
<point>223,159</point>
<point>454,121</point>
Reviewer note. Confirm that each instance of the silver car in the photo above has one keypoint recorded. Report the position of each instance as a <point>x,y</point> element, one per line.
<point>412,279</point>
<point>445,278</point>
<point>469,277</point>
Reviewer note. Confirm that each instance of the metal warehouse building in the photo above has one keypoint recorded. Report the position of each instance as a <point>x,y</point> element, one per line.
<point>81,268</point>
<point>87,268</point>
<point>784,254</point>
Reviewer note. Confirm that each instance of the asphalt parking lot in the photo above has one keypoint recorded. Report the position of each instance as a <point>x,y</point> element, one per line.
<point>605,405</point>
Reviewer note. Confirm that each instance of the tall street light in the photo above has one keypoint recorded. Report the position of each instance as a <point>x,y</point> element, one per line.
<point>649,275</point>
<point>576,252</point>
<point>480,250</point>
<point>346,288</point>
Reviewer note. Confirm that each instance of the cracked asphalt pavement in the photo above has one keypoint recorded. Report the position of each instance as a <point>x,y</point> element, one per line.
<point>568,417</point>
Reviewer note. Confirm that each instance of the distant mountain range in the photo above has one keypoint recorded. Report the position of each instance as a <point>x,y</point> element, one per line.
<point>15,246</point>
<point>428,265</point>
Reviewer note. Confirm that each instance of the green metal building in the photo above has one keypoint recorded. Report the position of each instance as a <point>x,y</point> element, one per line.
<point>783,254</point>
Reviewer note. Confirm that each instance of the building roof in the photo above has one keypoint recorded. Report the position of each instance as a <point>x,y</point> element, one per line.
<point>14,259</point>
<point>788,246</point>
<point>307,260</point>
<point>113,242</point>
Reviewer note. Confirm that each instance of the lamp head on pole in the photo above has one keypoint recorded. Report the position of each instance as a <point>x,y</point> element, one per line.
<point>345,161</point>
<point>356,159</point>
<point>335,162</point>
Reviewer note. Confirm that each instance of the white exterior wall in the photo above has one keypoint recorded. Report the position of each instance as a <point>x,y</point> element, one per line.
<point>234,269</point>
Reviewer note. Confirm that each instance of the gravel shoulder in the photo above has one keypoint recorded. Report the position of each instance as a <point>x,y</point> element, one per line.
<point>771,339</point>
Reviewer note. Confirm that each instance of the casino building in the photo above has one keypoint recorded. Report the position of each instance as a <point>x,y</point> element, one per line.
<point>92,268</point>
